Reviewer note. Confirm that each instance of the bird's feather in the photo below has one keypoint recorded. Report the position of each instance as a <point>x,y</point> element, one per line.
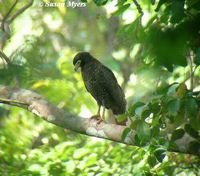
<point>102,84</point>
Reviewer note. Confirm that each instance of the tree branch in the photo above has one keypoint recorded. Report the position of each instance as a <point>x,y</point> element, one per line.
<point>37,104</point>
<point>7,15</point>
<point>8,19</point>
<point>139,8</point>
<point>3,56</point>
<point>20,11</point>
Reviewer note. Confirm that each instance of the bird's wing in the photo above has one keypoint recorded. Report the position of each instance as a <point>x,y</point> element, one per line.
<point>112,86</point>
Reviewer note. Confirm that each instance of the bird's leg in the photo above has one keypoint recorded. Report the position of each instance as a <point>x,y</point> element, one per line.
<point>102,118</point>
<point>103,114</point>
<point>98,112</point>
<point>97,116</point>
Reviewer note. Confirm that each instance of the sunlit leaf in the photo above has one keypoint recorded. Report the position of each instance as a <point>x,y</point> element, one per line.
<point>121,9</point>
<point>160,3</point>
<point>122,118</point>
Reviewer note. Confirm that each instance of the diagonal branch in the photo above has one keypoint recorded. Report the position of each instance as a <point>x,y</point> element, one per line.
<point>44,109</point>
<point>3,56</point>
<point>13,102</point>
<point>8,14</point>
<point>8,19</point>
<point>21,11</point>
<point>39,106</point>
<point>139,8</point>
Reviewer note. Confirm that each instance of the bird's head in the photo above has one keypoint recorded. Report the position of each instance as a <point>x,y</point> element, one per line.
<point>81,59</point>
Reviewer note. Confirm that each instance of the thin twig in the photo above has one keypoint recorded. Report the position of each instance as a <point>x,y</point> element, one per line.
<point>20,11</point>
<point>7,15</point>
<point>157,82</point>
<point>13,102</point>
<point>3,56</point>
<point>7,20</point>
<point>190,58</point>
<point>139,8</point>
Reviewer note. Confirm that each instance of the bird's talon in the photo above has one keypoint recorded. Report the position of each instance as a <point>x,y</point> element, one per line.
<point>99,121</point>
<point>95,117</point>
<point>98,118</point>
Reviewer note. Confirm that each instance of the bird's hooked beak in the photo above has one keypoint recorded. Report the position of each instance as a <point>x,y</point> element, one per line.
<point>77,65</point>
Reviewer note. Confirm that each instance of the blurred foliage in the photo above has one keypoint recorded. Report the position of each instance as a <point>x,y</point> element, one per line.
<point>155,57</point>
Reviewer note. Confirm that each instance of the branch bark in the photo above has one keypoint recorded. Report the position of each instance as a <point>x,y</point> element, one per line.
<point>42,108</point>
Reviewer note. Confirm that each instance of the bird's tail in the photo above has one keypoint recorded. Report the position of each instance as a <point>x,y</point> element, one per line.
<point>119,109</point>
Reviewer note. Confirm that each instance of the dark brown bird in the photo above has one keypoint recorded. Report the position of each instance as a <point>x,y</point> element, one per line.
<point>100,81</point>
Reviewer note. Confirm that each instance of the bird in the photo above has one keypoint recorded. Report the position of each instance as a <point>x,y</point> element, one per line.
<point>101,83</point>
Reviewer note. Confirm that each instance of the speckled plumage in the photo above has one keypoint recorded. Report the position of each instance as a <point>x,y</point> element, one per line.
<point>101,83</point>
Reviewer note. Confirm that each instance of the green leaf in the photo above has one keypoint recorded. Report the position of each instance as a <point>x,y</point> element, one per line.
<point>194,147</point>
<point>162,141</point>
<point>160,154</point>
<point>181,90</point>
<point>152,2</point>
<point>160,3</point>
<point>155,107</point>
<point>191,131</point>
<point>134,124</point>
<point>137,140</point>
<point>155,131</point>
<point>173,107</point>
<point>191,107</point>
<point>133,107</point>
<point>122,118</point>
<point>121,2</point>
<point>139,110</point>
<point>143,131</point>
<point>142,111</point>
<point>177,134</point>
<point>172,89</point>
<point>146,113</point>
<point>152,160</point>
<point>91,160</point>
<point>156,121</point>
<point>197,57</point>
<point>80,153</point>
<point>121,9</point>
<point>100,2</point>
<point>177,10</point>
<point>130,32</point>
<point>125,133</point>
